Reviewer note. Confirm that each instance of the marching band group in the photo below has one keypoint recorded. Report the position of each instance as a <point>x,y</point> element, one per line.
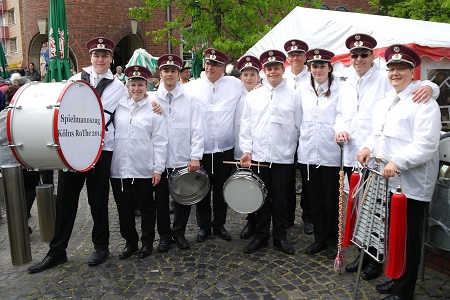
<point>300,111</point>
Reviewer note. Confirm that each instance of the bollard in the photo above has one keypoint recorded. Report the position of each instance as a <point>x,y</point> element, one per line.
<point>46,211</point>
<point>2,195</point>
<point>16,214</point>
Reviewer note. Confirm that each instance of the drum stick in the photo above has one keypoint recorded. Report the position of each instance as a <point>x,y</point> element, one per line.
<point>238,163</point>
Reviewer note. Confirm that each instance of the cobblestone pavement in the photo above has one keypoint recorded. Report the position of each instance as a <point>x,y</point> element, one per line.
<point>214,269</point>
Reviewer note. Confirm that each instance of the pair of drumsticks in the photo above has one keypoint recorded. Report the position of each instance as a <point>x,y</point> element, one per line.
<point>238,163</point>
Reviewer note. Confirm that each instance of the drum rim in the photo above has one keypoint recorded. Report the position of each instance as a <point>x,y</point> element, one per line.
<point>191,198</point>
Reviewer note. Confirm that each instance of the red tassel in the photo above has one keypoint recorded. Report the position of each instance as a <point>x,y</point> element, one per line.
<point>396,263</point>
<point>350,218</point>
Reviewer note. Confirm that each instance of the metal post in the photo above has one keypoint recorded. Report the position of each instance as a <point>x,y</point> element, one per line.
<point>16,214</point>
<point>2,195</point>
<point>46,211</point>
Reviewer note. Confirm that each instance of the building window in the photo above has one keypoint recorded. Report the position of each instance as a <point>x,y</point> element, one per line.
<point>13,45</point>
<point>3,20</point>
<point>11,17</point>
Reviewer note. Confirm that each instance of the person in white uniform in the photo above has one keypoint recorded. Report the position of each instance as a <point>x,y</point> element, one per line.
<point>406,135</point>
<point>249,66</point>
<point>318,154</point>
<point>357,98</point>
<point>140,148</point>
<point>185,148</point>
<point>269,134</point>
<point>218,96</point>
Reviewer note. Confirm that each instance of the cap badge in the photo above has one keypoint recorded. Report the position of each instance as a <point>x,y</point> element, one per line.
<point>317,56</point>
<point>136,73</point>
<point>100,41</point>
<point>358,43</point>
<point>247,58</point>
<point>272,58</point>
<point>357,37</point>
<point>100,46</point>
<point>397,56</point>
<point>136,68</point>
<point>396,49</point>
<point>316,51</point>
<point>213,51</point>
<point>294,48</point>
<point>211,56</point>
<point>270,53</point>
<point>249,64</point>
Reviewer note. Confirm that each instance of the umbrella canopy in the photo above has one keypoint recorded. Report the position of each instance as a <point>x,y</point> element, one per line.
<point>142,58</point>
<point>3,64</point>
<point>58,66</point>
<point>197,66</point>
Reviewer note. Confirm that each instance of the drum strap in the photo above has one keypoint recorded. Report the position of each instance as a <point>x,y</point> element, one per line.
<point>100,88</point>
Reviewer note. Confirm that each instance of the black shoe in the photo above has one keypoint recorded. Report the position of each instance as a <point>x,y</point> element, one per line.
<point>164,245</point>
<point>128,251</point>
<point>308,228</point>
<point>137,213</point>
<point>248,231</point>
<point>385,288</point>
<point>373,270</point>
<point>47,263</point>
<point>284,246</point>
<point>255,244</point>
<point>353,266</point>
<point>222,233</point>
<point>394,297</point>
<point>181,242</point>
<point>171,207</point>
<point>145,251</point>
<point>203,234</point>
<point>98,257</point>
<point>331,252</point>
<point>315,248</point>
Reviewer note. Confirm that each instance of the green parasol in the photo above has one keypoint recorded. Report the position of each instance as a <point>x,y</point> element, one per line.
<point>142,58</point>
<point>197,65</point>
<point>58,44</point>
<point>3,64</point>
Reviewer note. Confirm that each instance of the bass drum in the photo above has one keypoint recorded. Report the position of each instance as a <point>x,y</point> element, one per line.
<point>53,126</point>
<point>244,192</point>
<point>188,188</point>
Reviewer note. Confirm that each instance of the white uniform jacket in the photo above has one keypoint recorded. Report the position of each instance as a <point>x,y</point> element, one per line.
<point>408,134</point>
<point>316,143</point>
<point>237,123</point>
<point>354,115</point>
<point>217,103</point>
<point>110,99</point>
<point>184,126</point>
<point>270,124</point>
<point>295,81</point>
<point>140,147</point>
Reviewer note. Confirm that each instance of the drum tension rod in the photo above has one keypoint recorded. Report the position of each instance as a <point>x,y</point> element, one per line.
<point>55,145</point>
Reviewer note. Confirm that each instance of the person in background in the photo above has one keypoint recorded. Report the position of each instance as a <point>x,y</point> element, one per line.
<point>406,135</point>
<point>249,68</point>
<point>120,75</point>
<point>185,72</point>
<point>185,148</point>
<point>269,135</point>
<point>138,161</point>
<point>357,98</point>
<point>32,73</point>
<point>296,74</point>
<point>218,96</point>
<point>318,153</point>
<point>20,69</point>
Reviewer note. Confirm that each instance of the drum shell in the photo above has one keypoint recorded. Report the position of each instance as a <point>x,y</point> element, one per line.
<point>43,141</point>
<point>244,191</point>
<point>188,188</point>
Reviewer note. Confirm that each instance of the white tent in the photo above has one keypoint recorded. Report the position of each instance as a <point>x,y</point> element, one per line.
<point>329,30</point>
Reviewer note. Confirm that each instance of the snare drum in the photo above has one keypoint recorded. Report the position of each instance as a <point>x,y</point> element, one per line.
<point>188,188</point>
<point>244,192</point>
<point>52,126</point>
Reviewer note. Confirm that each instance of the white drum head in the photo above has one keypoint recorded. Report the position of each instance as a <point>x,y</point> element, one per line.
<point>56,126</point>
<point>243,195</point>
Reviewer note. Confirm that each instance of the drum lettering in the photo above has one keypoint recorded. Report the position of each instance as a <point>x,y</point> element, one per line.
<point>96,133</point>
<point>74,119</point>
<point>83,132</point>
<point>65,133</point>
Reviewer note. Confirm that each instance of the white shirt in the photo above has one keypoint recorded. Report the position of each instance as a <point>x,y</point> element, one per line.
<point>355,115</point>
<point>270,124</point>
<point>316,143</point>
<point>294,81</point>
<point>110,99</point>
<point>184,126</point>
<point>217,103</point>
<point>140,141</point>
<point>237,123</point>
<point>408,134</point>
